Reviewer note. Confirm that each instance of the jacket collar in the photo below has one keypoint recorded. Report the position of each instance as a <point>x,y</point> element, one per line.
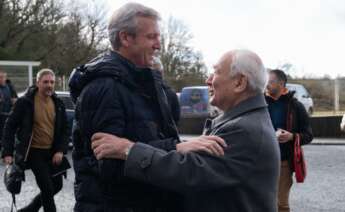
<point>31,92</point>
<point>250,104</point>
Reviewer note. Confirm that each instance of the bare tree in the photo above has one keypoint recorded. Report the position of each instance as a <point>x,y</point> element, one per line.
<point>182,64</point>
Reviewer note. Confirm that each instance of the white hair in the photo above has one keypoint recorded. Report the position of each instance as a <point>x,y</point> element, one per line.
<point>249,64</point>
<point>124,19</point>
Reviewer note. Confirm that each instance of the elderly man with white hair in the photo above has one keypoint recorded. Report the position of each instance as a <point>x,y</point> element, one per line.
<point>245,178</point>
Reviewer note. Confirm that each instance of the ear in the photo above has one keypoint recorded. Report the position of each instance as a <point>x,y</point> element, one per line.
<point>125,38</point>
<point>241,83</point>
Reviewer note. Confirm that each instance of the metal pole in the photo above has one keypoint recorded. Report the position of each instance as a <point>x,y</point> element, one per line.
<point>336,95</point>
<point>30,75</point>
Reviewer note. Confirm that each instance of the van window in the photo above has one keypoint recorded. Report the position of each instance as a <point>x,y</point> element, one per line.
<point>194,100</point>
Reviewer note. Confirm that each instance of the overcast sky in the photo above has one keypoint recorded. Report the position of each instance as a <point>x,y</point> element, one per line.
<point>307,33</point>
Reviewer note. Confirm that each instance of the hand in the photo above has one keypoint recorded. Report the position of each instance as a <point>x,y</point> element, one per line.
<point>106,145</point>
<point>57,158</point>
<point>8,160</point>
<point>213,145</point>
<point>284,136</point>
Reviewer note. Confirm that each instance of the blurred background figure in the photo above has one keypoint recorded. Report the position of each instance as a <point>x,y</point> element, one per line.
<point>8,96</point>
<point>172,98</point>
<point>342,124</point>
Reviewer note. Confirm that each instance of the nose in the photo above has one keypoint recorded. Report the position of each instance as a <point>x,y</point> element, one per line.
<point>209,80</point>
<point>157,45</point>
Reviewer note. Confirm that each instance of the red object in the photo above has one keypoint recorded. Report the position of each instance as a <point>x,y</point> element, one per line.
<point>298,161</point>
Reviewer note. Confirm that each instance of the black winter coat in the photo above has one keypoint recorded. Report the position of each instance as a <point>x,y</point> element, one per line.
<point>17,132</point>
<point>297,122</point>
<point>114,96</point>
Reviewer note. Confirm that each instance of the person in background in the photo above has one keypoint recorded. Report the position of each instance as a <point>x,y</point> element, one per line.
<point>35,137</point>
<point>342,124</point>
<point>8,96</point>
<point>170,93</point>
<point>289,119</point>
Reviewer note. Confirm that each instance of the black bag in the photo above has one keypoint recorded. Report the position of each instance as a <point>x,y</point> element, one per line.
<point>13,178</point>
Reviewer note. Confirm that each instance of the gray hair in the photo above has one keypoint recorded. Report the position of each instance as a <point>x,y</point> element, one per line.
<point>124,19</point>
<point>43,72</point>
<point>249,64</point>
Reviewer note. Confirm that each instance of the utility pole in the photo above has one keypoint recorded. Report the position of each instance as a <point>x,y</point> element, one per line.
<point>336,95</point>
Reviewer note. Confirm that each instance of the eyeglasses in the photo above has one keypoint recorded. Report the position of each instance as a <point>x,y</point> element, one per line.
<point>273,81</point>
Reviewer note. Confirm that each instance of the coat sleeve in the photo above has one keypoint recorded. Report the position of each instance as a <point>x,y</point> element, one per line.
<point>11,125</point>
<point>304,127</point>
<point>65,132</point>
<point>101,110</point>
<point>192,171</point>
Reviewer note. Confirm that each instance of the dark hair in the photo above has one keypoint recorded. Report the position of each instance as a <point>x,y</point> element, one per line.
<point>279,74</point>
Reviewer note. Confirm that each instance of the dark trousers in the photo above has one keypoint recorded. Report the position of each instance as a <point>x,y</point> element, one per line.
<point>40,162</point>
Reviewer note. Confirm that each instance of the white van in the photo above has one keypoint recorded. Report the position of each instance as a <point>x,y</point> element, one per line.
<point>302,95</point>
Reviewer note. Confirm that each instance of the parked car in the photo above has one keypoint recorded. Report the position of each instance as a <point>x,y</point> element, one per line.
<point>342,124</point>
<point>194,101</point>
<point>302,95</point>
<point>66,99</point>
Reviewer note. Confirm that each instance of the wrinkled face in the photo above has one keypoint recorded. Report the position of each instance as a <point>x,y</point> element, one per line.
<point>3,78</point>
<point>46,85</point>
<point>221,85</point>
<point>145,44</point>
<point>274,85</point>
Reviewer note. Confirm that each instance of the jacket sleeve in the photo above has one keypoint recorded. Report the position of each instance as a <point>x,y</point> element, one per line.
<point>101,110</point>
<point>62,145</point>
<point>304,127</point>
<point>167,144</point>
<point>192,171</point>
<point>11,125</point>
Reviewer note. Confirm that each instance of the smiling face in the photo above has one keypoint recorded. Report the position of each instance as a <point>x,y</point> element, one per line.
<point>221,85</point>
<point>142,47</point>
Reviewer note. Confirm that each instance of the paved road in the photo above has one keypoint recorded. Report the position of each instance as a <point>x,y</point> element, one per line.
<point>323,191</point>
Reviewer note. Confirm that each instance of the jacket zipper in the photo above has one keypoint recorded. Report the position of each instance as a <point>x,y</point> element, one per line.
<point>27,151</point>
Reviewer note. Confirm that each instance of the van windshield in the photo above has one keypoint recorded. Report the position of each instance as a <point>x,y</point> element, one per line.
<point>194,100</point>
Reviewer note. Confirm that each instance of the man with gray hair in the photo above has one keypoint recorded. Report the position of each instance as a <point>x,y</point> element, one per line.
<point>244,178</point>
<point>117,93</point>
<point>35,137</point>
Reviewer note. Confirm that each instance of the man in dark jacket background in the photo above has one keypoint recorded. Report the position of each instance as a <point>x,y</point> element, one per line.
<point>117,93</point>
<point>35,134</point>
<point>8,96</point>
<point>245,178</point>
<point>171,95</point>
<point>289,119</point>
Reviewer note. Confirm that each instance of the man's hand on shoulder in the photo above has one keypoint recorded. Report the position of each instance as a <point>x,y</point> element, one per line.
<point>213,145</point>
